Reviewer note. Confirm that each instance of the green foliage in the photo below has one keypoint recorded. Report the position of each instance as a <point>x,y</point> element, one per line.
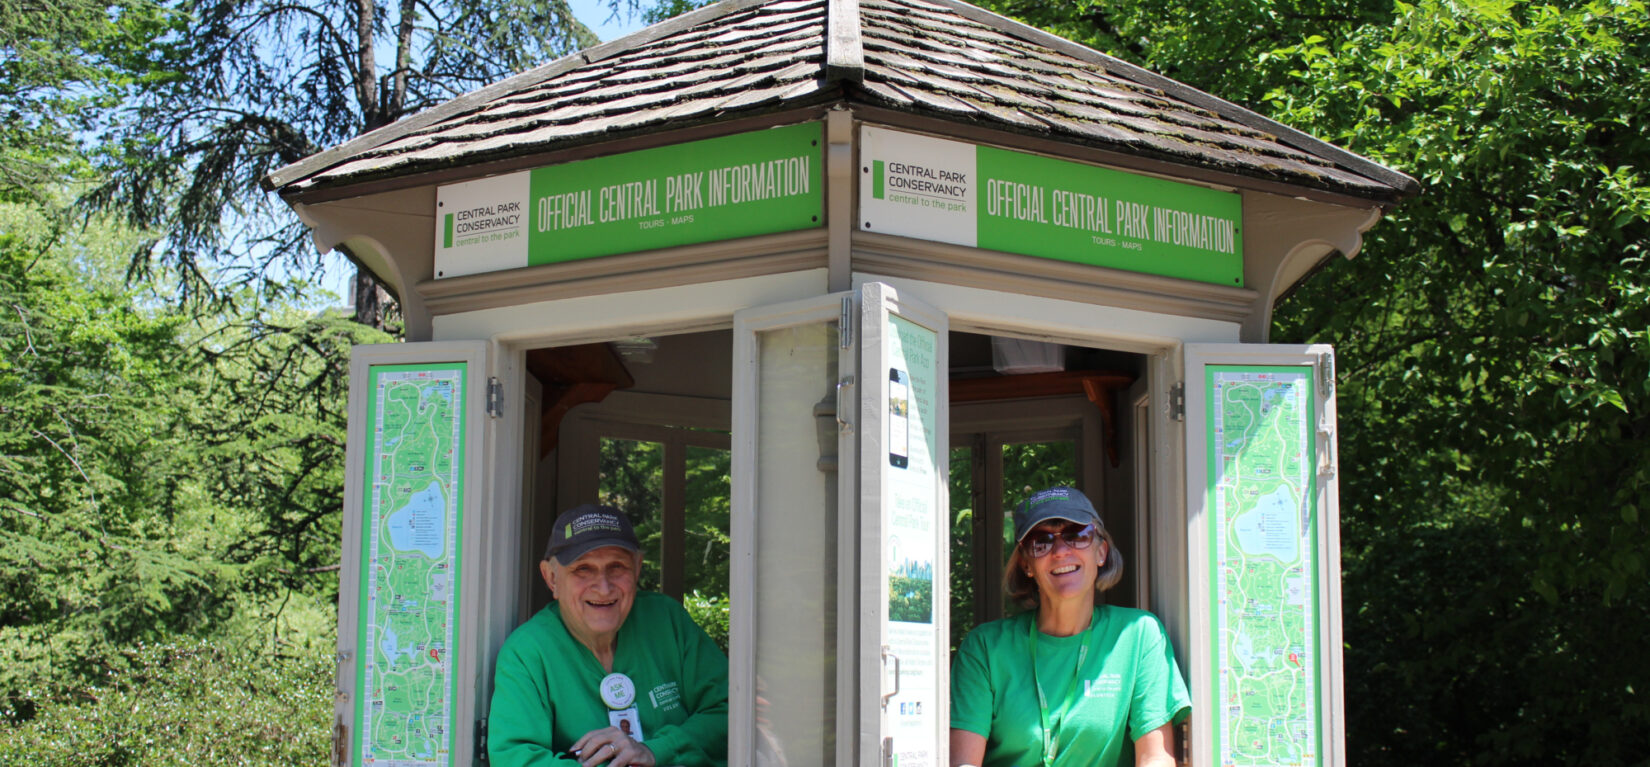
<point>910,599</point>
<point>162,475</point>
<point>1495,361</point>
<point>61,60</point>
<point>710,611</point>
<point>1493,350</point>
<point>1212,44</point>
<point>187,704</point>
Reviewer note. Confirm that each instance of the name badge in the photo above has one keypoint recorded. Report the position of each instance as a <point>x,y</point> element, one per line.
<point>629,721</point>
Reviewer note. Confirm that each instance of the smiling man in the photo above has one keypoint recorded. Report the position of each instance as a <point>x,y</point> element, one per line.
<point>606,675</point>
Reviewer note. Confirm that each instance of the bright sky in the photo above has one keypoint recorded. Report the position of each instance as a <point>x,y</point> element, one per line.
<point>595,13</point>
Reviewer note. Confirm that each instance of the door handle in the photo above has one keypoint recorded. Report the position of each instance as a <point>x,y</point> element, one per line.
<point>885,656</point>
<point>843,386</point>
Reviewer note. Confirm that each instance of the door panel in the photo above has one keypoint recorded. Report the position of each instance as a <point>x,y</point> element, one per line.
<point>413,565</point>
<point>1264,561</point>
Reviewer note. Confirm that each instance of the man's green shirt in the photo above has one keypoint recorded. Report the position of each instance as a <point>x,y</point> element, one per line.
<point>545,689</point>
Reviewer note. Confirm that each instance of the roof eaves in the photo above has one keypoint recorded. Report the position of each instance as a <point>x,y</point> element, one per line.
<point>1401,182</point>
<point>320,161</point>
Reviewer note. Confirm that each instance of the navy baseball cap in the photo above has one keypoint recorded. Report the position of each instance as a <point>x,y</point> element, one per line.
<point>587,527</point>
<point>1054,503</point>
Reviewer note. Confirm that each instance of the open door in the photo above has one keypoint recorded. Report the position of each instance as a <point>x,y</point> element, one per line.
<point>904,541</point>
<point>1264,566</point>
<point>838,615</point>
<point>410,586</point>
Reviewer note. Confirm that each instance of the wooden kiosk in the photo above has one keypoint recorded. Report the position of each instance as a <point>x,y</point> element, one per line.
<point>862,250</point>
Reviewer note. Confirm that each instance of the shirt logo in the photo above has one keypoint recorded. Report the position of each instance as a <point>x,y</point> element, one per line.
<point>666,696</point>
<point>1103,686</point>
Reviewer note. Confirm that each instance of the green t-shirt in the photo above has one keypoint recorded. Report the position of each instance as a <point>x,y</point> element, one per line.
<point>545,693</point>
<point>1129,685</point>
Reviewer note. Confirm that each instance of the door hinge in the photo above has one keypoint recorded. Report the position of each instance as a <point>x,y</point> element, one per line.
<point>845,331</point>
<point>481,740</point>
<point>1177,402</point>
<point>1326,372</point>
<point>495,397</point>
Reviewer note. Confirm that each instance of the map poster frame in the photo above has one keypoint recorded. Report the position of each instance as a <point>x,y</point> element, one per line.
<point>1263,556</point>
<point>422,524</point>
<point>904,454</point>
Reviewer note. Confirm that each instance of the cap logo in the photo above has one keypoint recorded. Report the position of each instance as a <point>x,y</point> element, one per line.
<point>598,522</point>
<point>1051,494</point>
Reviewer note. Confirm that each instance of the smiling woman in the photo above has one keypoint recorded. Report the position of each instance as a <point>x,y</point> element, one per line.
<point>607,674</point>
<point>1131,690</point>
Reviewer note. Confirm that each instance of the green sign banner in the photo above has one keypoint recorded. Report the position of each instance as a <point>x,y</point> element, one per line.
<point>1263,564</point>
<point>703,191</point>
<point>406,684</point>
<point>949,191</point>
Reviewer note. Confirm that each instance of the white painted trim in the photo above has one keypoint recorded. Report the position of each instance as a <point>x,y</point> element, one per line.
<point>683,309</point>
<point>1011,314</point>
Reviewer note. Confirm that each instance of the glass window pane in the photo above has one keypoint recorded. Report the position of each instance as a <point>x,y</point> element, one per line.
<point>1027,468</point>
<point>706,540</point>
<point>963,555</point>
<point>632,481</point>
<point>1032,466</point>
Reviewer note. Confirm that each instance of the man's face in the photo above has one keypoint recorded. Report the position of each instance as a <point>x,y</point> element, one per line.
<point>595,591</point>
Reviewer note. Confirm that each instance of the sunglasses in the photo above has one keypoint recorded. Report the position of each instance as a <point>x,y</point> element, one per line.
<point>1040,541</point>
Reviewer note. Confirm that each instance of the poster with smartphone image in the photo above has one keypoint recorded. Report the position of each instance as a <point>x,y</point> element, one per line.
<point>912,523</point>
<point>899,420</point>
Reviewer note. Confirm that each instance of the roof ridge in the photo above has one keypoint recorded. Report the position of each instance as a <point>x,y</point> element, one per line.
<point>844,44</point>
<point>1238,114</point>
<point>373,139</point>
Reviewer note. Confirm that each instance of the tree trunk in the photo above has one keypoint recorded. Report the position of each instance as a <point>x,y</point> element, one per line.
<point>370,299</point>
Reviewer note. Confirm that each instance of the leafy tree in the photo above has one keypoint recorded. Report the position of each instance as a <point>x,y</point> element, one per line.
<point>57,62</point>
<point>1496,378</point>
<point>263,83</point>
<point>1215,46</point>
<point>159,474</point>
<point>1493,353</point>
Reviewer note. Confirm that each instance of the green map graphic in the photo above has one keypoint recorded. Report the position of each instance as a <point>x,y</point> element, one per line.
<point>1264,548</point>
<point>405,693</point>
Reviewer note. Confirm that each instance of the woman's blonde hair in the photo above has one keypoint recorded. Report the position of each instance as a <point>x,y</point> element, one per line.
<point>1022,588</point>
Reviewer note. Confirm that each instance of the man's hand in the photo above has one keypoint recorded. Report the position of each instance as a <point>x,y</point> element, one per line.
<point>611,746</point>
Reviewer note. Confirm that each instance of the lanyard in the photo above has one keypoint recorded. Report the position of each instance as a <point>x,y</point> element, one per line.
<point>1051,736</point>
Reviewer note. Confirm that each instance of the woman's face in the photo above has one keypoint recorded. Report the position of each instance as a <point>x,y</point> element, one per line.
<point>1066,572</point>
<point>595,591</point>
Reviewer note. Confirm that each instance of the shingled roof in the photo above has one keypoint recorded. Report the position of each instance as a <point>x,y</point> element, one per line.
<point>936,58</point>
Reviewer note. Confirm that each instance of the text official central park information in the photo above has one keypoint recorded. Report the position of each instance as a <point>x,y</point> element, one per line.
<point>1014,202</point>
<point>723,188</point>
